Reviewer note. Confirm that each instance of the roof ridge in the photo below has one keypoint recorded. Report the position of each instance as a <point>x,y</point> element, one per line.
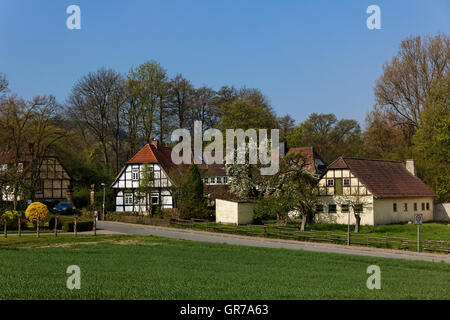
<point>381,160</point>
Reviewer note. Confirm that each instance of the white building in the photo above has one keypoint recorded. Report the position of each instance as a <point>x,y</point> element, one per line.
<point>389,192</point>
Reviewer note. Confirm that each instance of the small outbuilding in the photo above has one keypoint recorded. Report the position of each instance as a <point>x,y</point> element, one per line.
<point>234,211</point>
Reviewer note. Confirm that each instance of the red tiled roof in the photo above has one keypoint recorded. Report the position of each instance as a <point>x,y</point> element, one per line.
<point>152,153</point>
<point>309,155</point>
<point>385,179</point>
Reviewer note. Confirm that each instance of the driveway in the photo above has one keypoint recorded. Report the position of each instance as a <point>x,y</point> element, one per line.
<point>203,236</point>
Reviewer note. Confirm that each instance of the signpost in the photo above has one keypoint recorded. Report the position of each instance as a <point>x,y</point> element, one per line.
<point>418,219</point>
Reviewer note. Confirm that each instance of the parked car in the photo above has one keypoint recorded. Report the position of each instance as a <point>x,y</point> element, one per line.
<point>64,208</point>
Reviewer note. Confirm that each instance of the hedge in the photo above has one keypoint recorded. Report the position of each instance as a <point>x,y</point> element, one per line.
<point>82,225</point>
<point>61,220</point>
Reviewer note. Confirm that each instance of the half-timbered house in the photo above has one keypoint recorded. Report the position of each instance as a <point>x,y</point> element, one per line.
<point>52,182</point>
<point>387,192</point>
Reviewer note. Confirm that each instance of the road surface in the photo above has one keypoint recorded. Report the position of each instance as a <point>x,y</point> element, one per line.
<point>203,236</point>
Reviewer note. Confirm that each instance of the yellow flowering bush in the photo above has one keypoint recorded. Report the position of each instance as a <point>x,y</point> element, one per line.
<point>10,215</point>
<point>35,209</point>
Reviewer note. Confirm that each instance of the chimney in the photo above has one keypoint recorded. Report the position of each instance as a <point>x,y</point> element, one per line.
<point>411,166</point>
<point>155,143</point>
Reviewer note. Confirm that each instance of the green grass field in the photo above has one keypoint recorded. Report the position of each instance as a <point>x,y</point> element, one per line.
<point>428,231</point>
<point>139,267</point>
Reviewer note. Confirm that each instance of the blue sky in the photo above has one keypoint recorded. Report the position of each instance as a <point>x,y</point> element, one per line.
<point>305,56</point>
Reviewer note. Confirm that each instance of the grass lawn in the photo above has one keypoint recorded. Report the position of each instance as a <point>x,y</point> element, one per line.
<point>428,231</point>
<point>143,267</point>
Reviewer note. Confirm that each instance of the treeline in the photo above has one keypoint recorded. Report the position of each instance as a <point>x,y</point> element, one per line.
<point>108,116</point>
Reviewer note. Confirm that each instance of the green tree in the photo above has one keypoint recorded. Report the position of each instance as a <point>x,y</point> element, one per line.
<point>145,189</point>
<point>192,202</point>
<point>246,114</point>
<point>329,137</point>
<point>432,140</point>
<point>294,188</point>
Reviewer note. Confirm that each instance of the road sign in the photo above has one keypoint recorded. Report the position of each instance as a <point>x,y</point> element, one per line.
<point>418,218</point>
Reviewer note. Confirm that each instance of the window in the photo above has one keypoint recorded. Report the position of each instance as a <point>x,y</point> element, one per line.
<point>358,208</point>
<point>346,182</point>
<point>219,180</point>
<point>344,208</point>
<point>135,174</point>
<point>206,180</point>
<point>331,208</point>
<point>225,180</point>
<point>330,182</point>
<point>428,206</point>
<point>423,206</point>
<point>405,207</point>
<point>3,167</point>
<point>319,208</point>
<point>20,167</point>
<point>213,179</point>
<point>155,200</point>
<point>40,186</point>
<point>128,198</point>
<point>394,207</point>
<point>415,206</point>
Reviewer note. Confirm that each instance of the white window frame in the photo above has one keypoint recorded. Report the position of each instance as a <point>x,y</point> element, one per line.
<point>219,180</point>
<point>135,175</point>
<point>330,184</point>
<point>346,184</point>
<point>126,199</point>
<point>225,180</point>
<point>157,200</point>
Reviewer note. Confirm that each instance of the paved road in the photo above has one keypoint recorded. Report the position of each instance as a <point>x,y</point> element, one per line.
<point>127,228</point>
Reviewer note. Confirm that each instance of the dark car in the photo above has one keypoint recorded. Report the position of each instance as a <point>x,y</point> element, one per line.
<point>64,208</point>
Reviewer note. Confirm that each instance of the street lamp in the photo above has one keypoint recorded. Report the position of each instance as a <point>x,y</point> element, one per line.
<point>348,223</point>
<point>103,205</point>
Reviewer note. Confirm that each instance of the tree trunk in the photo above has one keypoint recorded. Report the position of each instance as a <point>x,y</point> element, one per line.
<point>304,218</point>
<point>6,232</point>
<point>357,222</point>
<point>37,226</point>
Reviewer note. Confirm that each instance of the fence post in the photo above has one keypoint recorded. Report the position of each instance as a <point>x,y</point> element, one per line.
<point>265,231</point>
<point>37,225</point>
<point>56,225</point>
<point>75,218</point>
<point>385,239</point>
<point>95,222</point>
<point>330,236</point>
<point>19,216</point>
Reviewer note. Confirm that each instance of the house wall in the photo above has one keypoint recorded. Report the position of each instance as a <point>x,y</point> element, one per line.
<point>226,211</point>
<point>126,185</point>
<point>355,186</point>
<point>234,212</point>
<point>367,216</point>
<point>442,212</point>
<point>384,212</point>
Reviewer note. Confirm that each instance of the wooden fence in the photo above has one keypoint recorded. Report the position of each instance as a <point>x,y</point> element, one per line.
<point>292,233</point>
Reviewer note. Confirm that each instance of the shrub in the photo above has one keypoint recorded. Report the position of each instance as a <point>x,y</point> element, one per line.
<point>171,213</point>
<point>192,203</point>
<point>36,209</point>
<point>61,220</point>
<point>82,225</point>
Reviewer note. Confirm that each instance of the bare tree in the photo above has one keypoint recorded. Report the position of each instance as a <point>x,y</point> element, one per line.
<point>407,79</point>
<point>94,103</point>
<point>181,99</point>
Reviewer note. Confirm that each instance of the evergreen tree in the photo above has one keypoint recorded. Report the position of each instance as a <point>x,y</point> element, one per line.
<point>192,201</point>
